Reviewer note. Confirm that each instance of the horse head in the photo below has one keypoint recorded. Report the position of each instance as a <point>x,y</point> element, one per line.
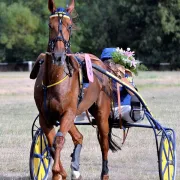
<point>60,25</point>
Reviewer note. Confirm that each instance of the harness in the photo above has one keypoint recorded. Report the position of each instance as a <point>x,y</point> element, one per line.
<point>45,92</point>
<point>54,84</point>
<point>60,13</point>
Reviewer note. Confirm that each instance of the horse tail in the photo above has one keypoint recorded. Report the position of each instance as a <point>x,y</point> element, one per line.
<point>113,146</point>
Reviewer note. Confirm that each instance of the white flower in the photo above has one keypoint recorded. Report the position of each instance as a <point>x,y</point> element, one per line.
<point>117,49</point>
<point>121,51</point>
<point>128,49</point>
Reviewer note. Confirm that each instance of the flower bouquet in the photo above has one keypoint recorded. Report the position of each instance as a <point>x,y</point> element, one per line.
<point>126,59</point>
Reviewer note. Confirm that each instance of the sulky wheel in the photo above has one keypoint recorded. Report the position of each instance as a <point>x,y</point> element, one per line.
<point>167,156</point>
<point>40,158</point>
<point>35,126</point>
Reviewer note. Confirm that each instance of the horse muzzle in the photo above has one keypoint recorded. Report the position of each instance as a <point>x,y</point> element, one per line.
<point>59,58</point>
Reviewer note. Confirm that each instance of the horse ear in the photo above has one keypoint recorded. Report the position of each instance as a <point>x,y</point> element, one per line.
<point>70,7</point>
<point>51,6</point>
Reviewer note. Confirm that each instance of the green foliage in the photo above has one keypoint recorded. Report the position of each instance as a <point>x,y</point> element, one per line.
<point>23,29</point>
<point>170,23</point>
<point>18,32</point>
<point>151,28</point>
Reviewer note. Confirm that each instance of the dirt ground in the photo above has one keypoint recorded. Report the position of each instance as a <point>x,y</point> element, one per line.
<point>136,160</point>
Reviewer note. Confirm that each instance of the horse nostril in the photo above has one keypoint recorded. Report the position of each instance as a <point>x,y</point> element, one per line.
<point>59,59</point>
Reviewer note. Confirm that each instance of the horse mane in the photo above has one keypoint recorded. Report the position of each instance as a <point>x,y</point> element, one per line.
<point>75,20</point>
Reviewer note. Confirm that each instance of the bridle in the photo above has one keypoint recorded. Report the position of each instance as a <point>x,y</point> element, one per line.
<point>60,36</point>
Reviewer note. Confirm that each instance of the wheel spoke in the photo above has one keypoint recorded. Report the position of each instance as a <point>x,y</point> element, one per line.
<point>38,169</point>
<point>169,172</point>
<point>36,126</point>
<point>45,142</point>
<point>165,153</point>
<point>35,155</point>
<point>44,165</point>
<point>164,170</point>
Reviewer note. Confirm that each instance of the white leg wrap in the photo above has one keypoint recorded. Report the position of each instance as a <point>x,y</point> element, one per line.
<point>75,174</point>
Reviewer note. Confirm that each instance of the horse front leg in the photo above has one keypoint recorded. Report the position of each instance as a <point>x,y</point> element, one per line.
<point>66,123</point>
<point>50,133</point>
<point>77,138</point>
<point>57,168</point>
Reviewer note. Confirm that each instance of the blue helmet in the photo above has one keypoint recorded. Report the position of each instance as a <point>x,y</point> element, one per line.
<point>107,53</point>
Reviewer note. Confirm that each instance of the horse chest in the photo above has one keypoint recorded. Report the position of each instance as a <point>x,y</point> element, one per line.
<point>61,101</point>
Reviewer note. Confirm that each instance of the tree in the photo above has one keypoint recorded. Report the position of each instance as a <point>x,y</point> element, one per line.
<point>151,28</point>
<point>18,30</point>
<point>23,29</point>
<point>170,23</point>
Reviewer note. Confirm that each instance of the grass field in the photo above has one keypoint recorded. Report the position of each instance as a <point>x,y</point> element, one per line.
<point>136,161</point>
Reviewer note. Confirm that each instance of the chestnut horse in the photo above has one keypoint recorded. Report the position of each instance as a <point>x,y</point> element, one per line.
<point>57,91</point>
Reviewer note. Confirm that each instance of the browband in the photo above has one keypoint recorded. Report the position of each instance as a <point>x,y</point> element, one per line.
<point>60,14</point>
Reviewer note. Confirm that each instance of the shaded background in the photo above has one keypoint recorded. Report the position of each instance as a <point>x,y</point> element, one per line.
<point>151,28</point>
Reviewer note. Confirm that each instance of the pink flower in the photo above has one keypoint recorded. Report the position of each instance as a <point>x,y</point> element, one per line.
<point>127,57</point>
<point>129,53</point>
<point>133,63</point>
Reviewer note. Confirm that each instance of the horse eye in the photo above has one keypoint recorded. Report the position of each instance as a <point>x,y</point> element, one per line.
<point>50,26</point>
<point>69,27</point>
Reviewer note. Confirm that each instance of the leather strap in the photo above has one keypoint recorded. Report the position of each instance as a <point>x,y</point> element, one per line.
<point>125,135</point>
<point>87,114</point>
<point>119,104</point>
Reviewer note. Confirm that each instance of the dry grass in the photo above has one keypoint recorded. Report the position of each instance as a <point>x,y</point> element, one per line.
<point>136,160</point>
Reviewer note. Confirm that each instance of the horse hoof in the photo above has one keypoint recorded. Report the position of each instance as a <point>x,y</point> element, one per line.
<point>76,175</point>
<point>57,177</point>
<point>79,178</point>
<point>105,177</point>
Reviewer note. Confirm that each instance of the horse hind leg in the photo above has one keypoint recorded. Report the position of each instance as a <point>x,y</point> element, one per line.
<point>103,138</point>
<point>104,143</point>
<point>101,111</point>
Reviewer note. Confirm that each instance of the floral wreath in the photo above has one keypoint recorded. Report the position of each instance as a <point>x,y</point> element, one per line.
<point>126,59</point>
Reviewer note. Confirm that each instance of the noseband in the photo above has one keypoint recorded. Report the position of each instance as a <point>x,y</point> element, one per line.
<point>60,36</point>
